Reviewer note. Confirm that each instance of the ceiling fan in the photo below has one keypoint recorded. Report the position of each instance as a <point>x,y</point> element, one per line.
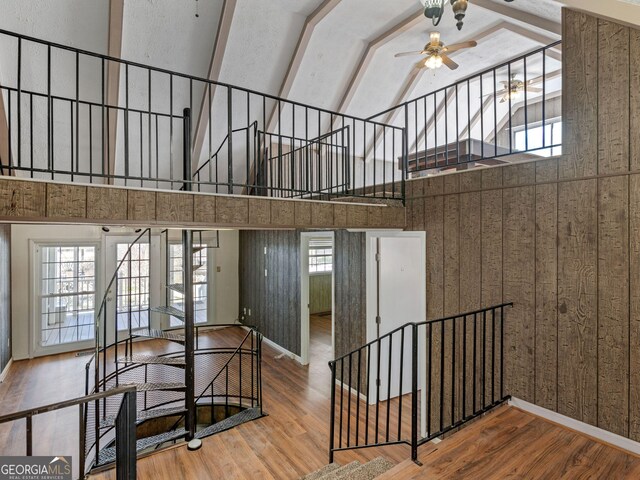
<point>513,88</point>
<point>437,53</point>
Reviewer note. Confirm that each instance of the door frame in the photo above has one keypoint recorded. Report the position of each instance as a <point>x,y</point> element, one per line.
<point>305,330</point>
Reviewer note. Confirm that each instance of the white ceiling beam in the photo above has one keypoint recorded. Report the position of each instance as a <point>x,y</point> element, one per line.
<point>215,67</point>
<point>296,59</point>
<point>373,46</point>
<point>506,10</point>
<point>114,49</point>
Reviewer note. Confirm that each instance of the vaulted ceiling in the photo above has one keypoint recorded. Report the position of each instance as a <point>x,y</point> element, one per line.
<point>335,54</point>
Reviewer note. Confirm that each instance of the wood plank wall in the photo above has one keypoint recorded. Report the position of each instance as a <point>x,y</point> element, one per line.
<point>558,237</point>
<point>274,299</point>
<point>5,295</point>
<point>49,202</point>
<point>320,293</point>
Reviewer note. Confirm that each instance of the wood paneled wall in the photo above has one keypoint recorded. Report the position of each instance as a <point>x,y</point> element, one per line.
<point>274,298</point>
<point>350,290</point>
<point>49,202</point>
<point>560,238</point>
<point>5,295</point>
<point>320,293</point>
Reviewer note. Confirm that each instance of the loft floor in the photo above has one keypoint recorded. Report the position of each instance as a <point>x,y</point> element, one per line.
<point>292,440</point>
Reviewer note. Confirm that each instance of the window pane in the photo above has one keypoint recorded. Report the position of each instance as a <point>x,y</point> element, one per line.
<point>67,294</point>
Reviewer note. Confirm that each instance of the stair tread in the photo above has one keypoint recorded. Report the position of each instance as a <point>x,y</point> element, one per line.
<point>160,334</point>
<point>108,455</point>
<point>342,472</point>
<point>109,421</point>
<point>228,423</point>
<point>372,469</point>
<point>167,310</point>
<point>150,386</point>
<point>318,474</point>
<point>152,360</point>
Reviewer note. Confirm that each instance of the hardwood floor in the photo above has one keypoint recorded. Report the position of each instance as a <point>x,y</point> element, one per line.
<point>292,439</point>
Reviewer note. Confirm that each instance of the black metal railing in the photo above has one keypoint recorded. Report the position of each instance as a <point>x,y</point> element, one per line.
<point>125,434</point>
<point>439,374</point>
<point>99,119</point>
<point>514,107</point>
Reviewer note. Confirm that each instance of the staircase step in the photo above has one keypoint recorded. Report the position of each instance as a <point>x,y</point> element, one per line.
<point>371,470</point>
<point>228,423</point>
<point>110,420</point>
<point>342,472</point>
<point>318,474</point>
<point>176,287</point>
<point>108,455</point>
<point>153,387</point>
<point>152,360</point>
<point>197,249</point>
<point>160,334</point>
<point>174,312</point>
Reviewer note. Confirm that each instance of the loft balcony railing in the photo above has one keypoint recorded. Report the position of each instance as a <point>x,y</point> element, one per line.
<point>79,116</point>
<point>511,108</point>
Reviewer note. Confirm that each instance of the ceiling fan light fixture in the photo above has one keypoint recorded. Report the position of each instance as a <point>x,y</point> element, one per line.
<point>433,62</point>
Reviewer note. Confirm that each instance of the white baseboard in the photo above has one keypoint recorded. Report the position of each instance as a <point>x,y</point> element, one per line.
<point>4,373</point>
<point>279,348</point>
<point>595,432</point>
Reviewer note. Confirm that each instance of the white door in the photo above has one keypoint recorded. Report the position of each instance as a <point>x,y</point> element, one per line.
<point>396,295</point>
<point>136,287</point>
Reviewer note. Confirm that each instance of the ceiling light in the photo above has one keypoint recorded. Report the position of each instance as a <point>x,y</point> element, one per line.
<point>434,9</point>
<point>433,62</point>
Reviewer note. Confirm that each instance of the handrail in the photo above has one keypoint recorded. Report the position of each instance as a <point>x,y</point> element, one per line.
<point>469,77</point>
<point>177,74</point>
<point>416,324</point>
<point>65,404</point>
<point>106,292</point>
<point>253,124</point>
<point>226,365</point>
<point>457,351</point>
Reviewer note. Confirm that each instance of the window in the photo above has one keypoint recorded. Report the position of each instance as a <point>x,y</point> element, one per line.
<point>68,294</point>
<point>320,256</point>
<point>200,281</point>
<point>532,139</point>
<point>132,300</point>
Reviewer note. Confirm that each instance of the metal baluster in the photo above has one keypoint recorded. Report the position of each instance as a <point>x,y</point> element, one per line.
<point>400,392</point>
<point>389,384</point>
<point>341,399</point>
<point>349,405</point>
<point>414,393</point>
<point>464,367</point>
<point>358,398</point>
<point>332,366</point>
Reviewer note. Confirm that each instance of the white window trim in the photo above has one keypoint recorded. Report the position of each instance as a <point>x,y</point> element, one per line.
<point>35,306</point>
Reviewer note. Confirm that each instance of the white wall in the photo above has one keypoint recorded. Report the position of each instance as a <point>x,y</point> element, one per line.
<point>225,283</point>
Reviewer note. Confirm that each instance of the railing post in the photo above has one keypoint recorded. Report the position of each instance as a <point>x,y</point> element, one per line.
<point>405,152</point>
<point>332,427</point>
<point>187,265</point>
<point>414,393</point>
<point>126,438</point>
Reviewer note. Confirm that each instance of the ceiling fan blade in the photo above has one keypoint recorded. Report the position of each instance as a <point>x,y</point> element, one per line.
<point>448,62</point>
<point>406,54</point>
<point>498,93</point>
<point>534,89</point>
<point>459,46</point>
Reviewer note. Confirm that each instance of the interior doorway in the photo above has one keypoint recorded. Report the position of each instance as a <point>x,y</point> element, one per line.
<point>317,297</point>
